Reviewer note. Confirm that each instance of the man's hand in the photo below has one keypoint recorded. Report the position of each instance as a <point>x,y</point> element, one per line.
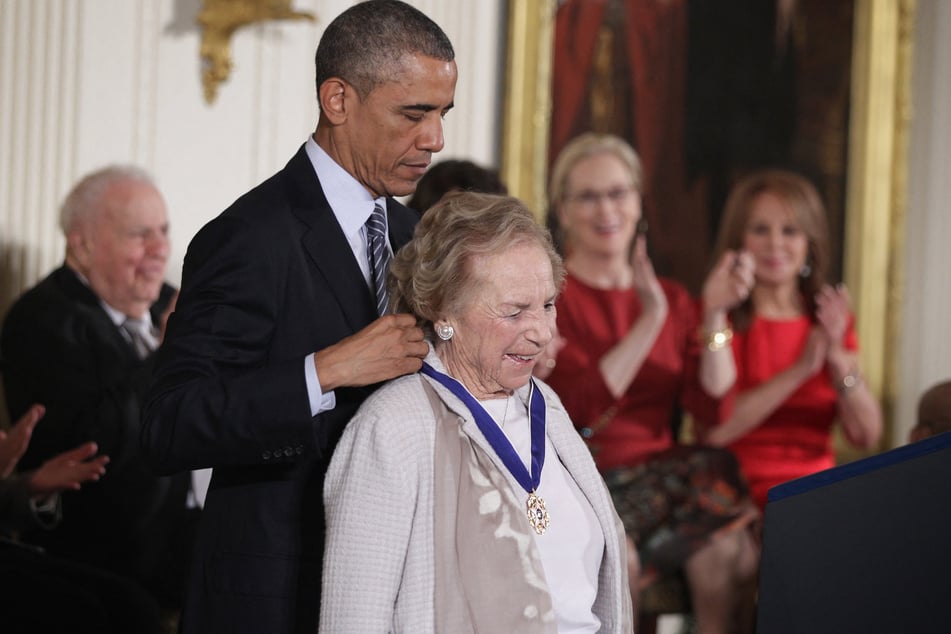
<point>389,347</point>
<point>15,442</point>
<point>68,470</point>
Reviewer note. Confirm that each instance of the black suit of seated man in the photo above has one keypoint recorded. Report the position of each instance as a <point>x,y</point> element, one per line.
<point>64,345</point>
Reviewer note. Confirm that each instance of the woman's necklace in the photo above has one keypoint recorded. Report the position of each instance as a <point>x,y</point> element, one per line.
<point>505,415</point>
<point>537,514</point>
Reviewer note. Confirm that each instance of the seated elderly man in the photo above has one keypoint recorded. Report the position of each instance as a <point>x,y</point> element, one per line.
<point>81,343</point>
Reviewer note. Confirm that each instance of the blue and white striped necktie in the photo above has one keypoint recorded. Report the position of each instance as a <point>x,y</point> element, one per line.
<point>379,256</point>
<point>141,335</point>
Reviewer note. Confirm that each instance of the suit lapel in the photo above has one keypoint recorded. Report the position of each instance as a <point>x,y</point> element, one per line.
<point>74,289</point>
<point>326,245</point>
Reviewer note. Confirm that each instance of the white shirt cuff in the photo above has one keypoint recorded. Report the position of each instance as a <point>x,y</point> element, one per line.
<point>319,402</point>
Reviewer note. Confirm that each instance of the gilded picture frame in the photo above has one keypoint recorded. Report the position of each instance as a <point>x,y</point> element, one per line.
<point>876,172</point>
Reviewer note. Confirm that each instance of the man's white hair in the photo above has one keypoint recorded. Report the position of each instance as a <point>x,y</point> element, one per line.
<point>85,199</point>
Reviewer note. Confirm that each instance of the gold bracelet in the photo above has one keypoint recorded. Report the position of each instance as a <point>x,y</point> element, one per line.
<point>718,339</point>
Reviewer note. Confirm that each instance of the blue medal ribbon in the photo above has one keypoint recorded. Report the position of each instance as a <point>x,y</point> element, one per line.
<point>494,434</point>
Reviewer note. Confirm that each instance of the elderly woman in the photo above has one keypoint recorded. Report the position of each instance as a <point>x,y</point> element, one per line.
<point>461,499</point>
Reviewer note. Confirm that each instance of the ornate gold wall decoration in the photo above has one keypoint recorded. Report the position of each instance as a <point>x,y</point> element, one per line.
<point>219,19</point>
<point>527,107</point>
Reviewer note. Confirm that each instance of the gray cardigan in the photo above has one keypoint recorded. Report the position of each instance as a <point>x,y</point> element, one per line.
<point>379,558</point>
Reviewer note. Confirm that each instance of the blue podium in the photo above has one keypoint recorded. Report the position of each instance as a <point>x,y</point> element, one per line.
<point>864,547</point>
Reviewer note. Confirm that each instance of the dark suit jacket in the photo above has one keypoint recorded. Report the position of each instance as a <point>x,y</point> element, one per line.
<point>266,283</point>
<point>60,348</point>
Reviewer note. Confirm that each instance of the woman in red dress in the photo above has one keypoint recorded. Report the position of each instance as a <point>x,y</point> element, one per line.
<point>795,346</point>
<point>630,359</point>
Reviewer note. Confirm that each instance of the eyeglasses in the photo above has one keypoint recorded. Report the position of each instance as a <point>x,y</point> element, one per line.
<point>590,198</point>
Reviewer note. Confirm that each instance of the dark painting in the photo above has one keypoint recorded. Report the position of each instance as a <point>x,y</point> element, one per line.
<point>706,91</point>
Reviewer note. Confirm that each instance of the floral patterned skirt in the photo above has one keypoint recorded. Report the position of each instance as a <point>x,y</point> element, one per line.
<point>675,502</point>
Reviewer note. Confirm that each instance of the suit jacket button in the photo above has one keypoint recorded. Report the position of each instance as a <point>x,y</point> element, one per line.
<point>266,454</point>
<point>288,452</point>
<point>299,449</point>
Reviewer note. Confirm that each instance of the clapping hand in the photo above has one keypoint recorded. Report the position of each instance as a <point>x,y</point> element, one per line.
<point>68,470</point>
<point>813,356</point>
<point>833,311</point>
<point>730,281</point>
<point>15,442</point>
<point>645,280</point>
<point>65,471</point>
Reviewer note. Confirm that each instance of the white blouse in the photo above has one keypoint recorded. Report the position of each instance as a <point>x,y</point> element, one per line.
<point>572,547</point>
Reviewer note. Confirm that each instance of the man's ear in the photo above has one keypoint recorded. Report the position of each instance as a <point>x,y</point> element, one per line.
<point>79,247</point>
<point>334,95</point>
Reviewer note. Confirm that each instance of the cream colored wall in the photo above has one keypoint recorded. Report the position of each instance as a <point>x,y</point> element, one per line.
<point>925,343</point>
<point>84,83</point>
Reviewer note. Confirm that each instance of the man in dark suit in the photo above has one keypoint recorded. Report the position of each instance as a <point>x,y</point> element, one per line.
<point>80,342</point>
<point>277,337</point>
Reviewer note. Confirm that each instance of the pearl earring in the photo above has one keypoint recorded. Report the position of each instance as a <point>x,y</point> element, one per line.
<point>805,271</point>
<point>445,332</point>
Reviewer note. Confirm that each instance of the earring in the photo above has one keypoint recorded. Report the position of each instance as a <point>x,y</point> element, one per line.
<point>805,271</point>
<point>445,332</point>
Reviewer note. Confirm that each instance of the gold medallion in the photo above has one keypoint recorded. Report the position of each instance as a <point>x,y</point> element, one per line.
<point>537,513</point>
